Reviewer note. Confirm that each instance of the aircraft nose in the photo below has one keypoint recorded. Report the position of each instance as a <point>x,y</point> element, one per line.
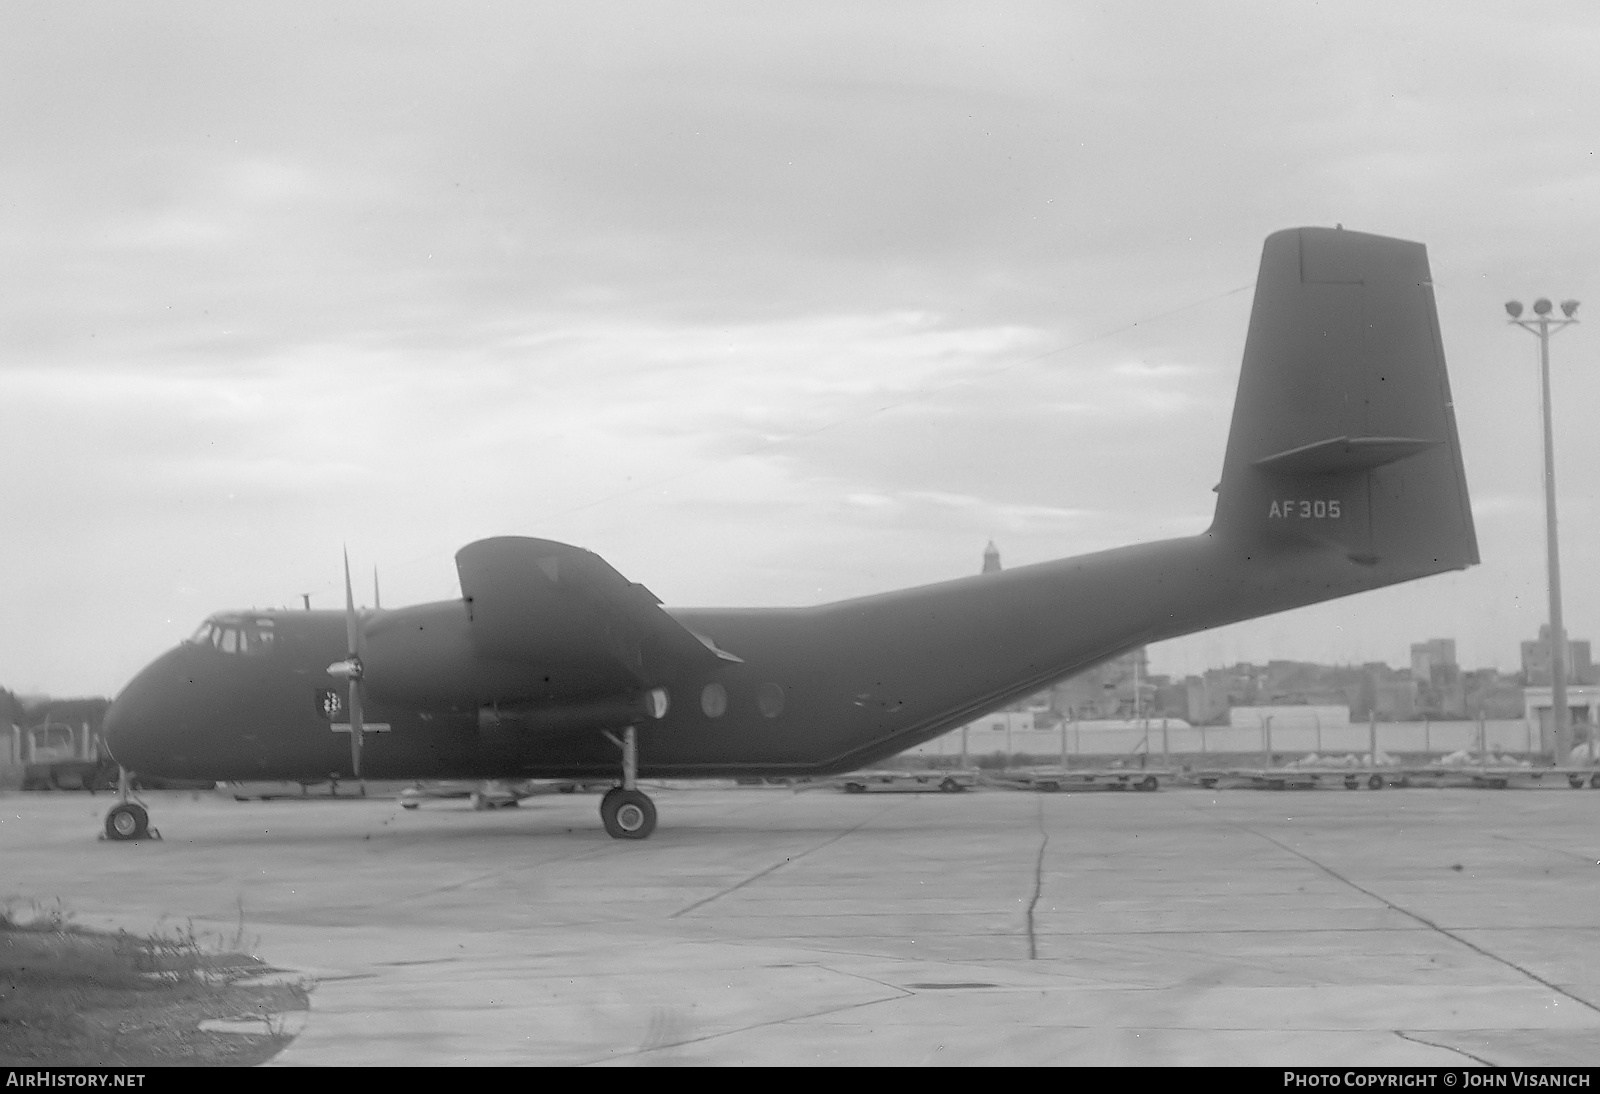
<point>132,724</point>
<point>118,734</point>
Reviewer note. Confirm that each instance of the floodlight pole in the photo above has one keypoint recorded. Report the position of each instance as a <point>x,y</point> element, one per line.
<point>1543,326</point>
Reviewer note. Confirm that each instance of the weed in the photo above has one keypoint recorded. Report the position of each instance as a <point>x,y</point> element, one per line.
<point>37,917</point>
<point>71,995</point>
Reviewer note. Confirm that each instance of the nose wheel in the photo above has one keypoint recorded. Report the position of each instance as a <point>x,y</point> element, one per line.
<point>626,811</point>
<point>128,820</point>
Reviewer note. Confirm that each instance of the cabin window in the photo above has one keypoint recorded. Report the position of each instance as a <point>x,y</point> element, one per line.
<point>229,642</point>
<point>714,700</point>
<point>769,700</point>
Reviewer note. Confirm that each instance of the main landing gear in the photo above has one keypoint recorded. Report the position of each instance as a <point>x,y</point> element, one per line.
<point>626,811</point>
<point>128,819</point>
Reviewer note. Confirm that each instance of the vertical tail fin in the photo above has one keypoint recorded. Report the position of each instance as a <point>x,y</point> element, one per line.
<point>1344,435</point>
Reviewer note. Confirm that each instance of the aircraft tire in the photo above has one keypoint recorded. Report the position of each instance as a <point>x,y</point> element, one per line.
<point>1149,782</point>
<point>628,814</point>
<point>950,786</point>
<point>127,821</point>
<point>1375,782</point>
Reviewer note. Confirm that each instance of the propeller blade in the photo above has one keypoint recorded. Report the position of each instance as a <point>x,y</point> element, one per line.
<point>352,623</point>
<point>353,669</point>
<point>357,728</point>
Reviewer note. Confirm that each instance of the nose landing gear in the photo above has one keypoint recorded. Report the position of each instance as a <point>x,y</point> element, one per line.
<point>128,820</point>
<point>626,811</point>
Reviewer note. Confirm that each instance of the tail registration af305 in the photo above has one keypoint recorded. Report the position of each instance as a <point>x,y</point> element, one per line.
<point>1343,473</point>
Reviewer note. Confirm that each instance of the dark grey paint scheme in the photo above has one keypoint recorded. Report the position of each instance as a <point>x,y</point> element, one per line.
<point>1343,473</point>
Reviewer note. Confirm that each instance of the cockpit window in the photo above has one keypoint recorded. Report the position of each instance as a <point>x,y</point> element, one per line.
<point>249,636</point>
<point>256,637</point>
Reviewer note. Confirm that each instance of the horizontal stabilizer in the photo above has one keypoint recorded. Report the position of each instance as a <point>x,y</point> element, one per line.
<point>1342,455</point>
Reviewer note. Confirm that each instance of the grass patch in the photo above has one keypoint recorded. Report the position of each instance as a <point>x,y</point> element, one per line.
<point>70,996</point>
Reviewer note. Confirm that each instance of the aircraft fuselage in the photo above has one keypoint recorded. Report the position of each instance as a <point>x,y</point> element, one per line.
<point>819,690</point>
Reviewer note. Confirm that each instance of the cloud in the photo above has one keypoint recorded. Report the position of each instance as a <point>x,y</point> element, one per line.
<point>718,282</point>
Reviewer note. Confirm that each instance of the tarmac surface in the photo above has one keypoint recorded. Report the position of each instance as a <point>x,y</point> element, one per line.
<point>760,926</point>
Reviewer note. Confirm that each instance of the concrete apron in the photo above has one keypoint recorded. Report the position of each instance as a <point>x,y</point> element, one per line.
<point>1406,927</point>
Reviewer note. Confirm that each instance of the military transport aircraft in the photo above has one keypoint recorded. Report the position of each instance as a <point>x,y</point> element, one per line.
<point>1343,473</point>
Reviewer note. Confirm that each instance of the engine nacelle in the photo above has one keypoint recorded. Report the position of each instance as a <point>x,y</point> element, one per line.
<point>544,719</point>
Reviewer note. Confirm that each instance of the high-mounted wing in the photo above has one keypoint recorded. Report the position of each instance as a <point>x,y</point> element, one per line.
<point>532,599</point>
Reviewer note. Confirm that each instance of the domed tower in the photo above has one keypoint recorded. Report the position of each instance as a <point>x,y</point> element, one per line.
<point>991,559</point>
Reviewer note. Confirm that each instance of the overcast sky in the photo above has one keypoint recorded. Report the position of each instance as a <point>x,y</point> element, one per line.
<point>766,304</point>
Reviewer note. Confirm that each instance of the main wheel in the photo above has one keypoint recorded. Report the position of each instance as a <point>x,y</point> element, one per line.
<point>127,820</point>
<point>1375,782</point>
<point>1149,782</point>
<point>950,786</point>
<point>627,814</point>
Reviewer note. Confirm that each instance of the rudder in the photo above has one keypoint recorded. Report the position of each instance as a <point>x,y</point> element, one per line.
<point>1344,434</point>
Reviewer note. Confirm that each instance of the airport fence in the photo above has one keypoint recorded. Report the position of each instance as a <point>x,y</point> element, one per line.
<point>1214,744</point>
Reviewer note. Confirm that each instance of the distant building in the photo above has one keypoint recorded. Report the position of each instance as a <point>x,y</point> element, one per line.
<point>1209,697</point>
<point>11,751</point>
<point>991,559</point>
<point>1536,661</point>
<point>1441,691</point>
<point>1492,694</point>
<point>1583,712</point>
<point>1433,688</point>
<point>1392,698</point>
<point>1108,691</point>
<point>1434,652</point>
